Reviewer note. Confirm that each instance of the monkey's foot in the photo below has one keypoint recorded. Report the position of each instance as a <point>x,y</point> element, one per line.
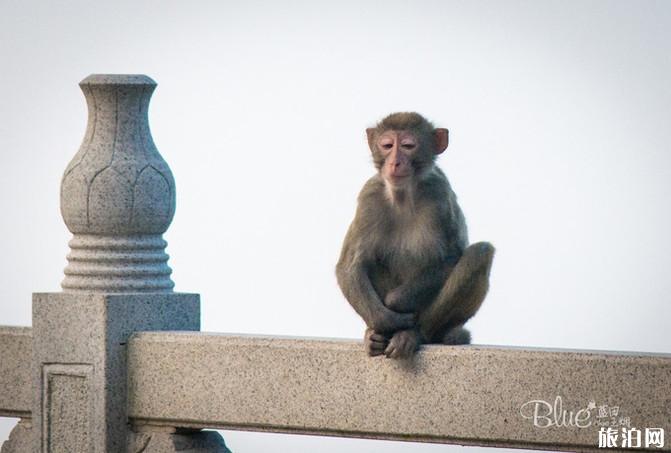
<point>375,343</point>
<point>403,344</point>
<point>457,335</point>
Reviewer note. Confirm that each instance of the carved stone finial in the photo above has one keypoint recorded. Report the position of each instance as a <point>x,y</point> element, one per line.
<point>117,193</point>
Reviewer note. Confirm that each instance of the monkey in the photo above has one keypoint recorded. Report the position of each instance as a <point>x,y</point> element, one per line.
<point>405,265</point>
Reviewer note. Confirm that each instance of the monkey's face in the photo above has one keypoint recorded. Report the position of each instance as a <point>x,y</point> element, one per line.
<point>396,152</point>
<point>405,154</point>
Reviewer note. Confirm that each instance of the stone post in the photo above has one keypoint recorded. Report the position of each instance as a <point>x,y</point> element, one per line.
<point>117,199</point>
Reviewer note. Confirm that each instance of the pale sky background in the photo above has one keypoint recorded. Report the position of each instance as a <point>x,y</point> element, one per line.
<point>559,115</point>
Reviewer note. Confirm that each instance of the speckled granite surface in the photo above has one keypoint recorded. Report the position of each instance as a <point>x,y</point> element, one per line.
<point>79,367</point>
<point>15,358</point>
<point>464,394</point>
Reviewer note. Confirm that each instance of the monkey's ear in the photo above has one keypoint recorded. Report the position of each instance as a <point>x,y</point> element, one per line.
<point>441,136</point>
<point>370,133</point>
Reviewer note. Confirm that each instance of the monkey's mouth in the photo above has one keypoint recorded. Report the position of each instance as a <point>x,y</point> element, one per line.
<point>399,177</point>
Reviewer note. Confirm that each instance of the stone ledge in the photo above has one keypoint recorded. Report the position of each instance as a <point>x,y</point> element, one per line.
<point>469,395</point>
<point>16,353</point>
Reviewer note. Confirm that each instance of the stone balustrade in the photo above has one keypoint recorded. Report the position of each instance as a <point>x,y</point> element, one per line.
<point>115,362</point>
<point>466,395</point>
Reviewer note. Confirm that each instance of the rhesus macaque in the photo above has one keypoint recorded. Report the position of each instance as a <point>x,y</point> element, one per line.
<point>406,266</point>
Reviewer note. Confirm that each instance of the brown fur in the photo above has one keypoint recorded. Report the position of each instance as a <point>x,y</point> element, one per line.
<point>405,266</point>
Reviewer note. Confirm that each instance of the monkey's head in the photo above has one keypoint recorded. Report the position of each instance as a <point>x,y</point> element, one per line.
<point>405,146</point>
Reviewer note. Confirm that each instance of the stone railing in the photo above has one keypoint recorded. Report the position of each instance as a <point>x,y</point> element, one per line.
<point>115,362</point>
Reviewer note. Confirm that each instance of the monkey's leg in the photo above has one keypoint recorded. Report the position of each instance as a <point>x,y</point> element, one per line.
<point>456,335</point>
<point>460,298</point>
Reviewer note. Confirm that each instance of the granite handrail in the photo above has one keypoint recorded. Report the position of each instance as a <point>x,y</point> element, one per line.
<point>469,395</point>
<point>15,362</point>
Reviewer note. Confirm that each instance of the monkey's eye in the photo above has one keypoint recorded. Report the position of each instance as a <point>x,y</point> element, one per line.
<point>408,145</point>
<point>386,145</point>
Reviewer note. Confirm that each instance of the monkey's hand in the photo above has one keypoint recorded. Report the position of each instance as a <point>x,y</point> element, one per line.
<point>399,300</point>
<point>388,321</point>
<point>375,343</point>
<point>403,344</point>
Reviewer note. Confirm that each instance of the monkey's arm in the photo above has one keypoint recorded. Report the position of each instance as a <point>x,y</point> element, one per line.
<point>359,292</point>
<point>418,292</point>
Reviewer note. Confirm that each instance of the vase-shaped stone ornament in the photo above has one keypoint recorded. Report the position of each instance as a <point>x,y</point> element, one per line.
<point>117,194</point>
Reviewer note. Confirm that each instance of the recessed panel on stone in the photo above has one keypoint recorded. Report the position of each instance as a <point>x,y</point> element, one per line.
<point>68,408</point>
